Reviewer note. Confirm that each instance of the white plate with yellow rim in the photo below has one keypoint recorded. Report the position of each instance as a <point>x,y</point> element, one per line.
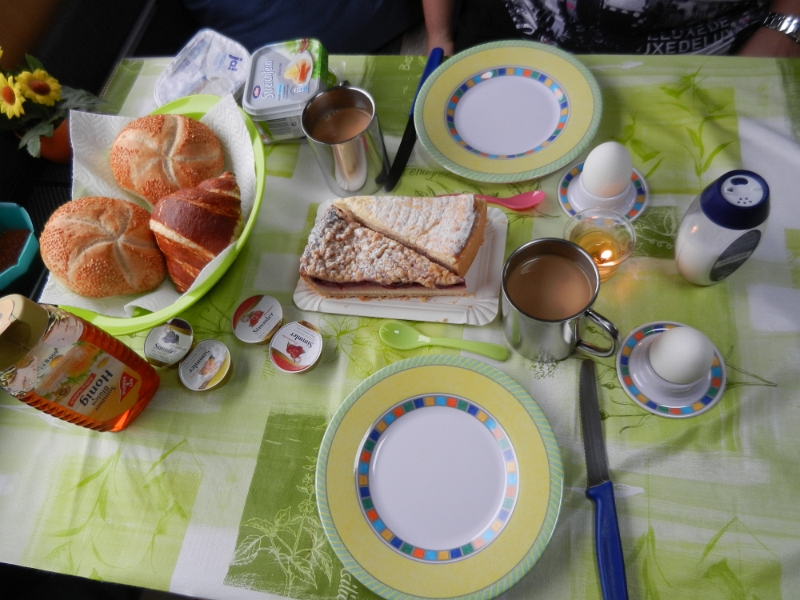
<point>508,111</point>
<point>439,477</point>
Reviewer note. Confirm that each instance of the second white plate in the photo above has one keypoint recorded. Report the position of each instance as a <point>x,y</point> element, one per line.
<point>478,307</point>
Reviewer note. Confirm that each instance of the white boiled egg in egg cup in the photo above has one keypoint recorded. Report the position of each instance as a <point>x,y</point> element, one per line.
<point>605,180</point>
<point>671,369</point>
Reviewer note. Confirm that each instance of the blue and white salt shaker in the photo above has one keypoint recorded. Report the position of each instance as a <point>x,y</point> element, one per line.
<point>722,227</point>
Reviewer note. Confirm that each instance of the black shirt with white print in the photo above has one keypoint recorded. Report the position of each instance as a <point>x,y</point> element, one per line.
<point>638,26</point>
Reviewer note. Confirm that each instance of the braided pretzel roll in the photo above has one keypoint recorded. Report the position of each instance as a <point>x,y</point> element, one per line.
<point>100,247</point>
<point>158,154</point>
<point>194,225</point>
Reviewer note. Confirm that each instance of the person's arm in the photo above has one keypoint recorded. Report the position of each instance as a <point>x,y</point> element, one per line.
<point>768,42</point>
<point>438,24</point>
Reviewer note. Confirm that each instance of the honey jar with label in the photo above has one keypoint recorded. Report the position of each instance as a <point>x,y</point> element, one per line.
<point>69,368</point>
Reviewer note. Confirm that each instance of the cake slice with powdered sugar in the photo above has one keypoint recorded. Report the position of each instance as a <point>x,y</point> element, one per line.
<point>446,229</point>
<point>343,259</point>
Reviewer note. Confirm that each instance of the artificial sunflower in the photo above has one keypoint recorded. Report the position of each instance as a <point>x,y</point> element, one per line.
<point>40,87</point>
<point>47,103</point>
<point>10,97</point>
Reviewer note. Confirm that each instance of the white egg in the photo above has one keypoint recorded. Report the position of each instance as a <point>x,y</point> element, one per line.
<point>607,170</point>
<point>681,355</point>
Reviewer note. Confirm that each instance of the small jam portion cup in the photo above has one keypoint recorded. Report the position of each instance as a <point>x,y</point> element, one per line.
<point>607,236</point>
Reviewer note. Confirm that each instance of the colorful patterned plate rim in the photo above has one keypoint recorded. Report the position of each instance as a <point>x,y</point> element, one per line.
<point>459,127</point>
<point>447,434</point>
<point>655,400</point>
<point>554,81</point>
<point>632,212</point>
<point>396,572</point>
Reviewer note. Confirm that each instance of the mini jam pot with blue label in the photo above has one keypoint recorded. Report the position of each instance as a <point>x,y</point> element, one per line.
<point>208,366</point>
<point>282,79</point>
<point>167,344</point>
<point>296,347</point>
<point>257,319</point>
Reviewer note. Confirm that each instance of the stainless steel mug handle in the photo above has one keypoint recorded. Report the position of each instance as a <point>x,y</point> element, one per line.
<point>610,329</point>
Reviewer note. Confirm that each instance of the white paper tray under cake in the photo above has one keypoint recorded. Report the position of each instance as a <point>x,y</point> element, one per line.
<point>478,307</point>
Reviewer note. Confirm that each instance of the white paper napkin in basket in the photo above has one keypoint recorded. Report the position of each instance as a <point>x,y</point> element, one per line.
<point>92,136</point>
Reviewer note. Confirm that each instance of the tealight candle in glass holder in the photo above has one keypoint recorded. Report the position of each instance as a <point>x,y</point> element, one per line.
<point>607,236</point>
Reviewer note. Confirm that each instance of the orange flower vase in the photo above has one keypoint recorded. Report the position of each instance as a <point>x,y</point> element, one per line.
<point>56,148</point>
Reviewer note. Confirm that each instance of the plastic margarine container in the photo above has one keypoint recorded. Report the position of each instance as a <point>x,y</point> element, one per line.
<point>210,63</point>
<point>282,79</point>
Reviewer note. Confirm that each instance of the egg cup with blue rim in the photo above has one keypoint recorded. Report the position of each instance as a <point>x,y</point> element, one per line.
<point>657,395</point>
<point>13,216</point>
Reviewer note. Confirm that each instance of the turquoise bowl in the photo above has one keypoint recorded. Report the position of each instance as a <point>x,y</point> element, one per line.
<point>13,216</point>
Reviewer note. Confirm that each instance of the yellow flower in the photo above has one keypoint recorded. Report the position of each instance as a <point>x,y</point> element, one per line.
<point>40,87</point>
<point>10,97</point>
<point>1,52</point>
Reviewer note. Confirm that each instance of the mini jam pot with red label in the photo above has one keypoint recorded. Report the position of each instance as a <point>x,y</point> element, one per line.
<point>257,319</point>
<point>208,366</point>
<point>296,347</point>
<point>167,344</point>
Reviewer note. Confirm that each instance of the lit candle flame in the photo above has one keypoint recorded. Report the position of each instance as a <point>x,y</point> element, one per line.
<point>606,254</point>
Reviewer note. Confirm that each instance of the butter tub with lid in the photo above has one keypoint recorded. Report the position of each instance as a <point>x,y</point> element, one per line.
<point>282,78</point>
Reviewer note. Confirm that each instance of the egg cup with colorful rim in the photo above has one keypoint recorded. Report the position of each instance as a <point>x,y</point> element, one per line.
<point>656,395</point>
<point>631,205</point>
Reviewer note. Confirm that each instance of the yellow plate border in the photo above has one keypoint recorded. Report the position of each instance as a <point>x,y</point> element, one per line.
<point>521,543</point>
<point>578,83</point>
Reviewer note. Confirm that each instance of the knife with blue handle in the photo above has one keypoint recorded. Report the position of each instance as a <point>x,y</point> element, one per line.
<point>600,490</point>
<point>410,134</point>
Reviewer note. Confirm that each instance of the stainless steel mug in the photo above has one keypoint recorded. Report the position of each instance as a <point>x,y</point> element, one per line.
<point>354,166</point>
<point>551,340</point>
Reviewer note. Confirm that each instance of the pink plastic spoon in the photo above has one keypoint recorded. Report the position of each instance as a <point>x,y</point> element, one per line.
<point>522,201</point>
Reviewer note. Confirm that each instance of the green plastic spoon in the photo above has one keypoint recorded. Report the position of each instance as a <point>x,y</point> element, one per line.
<point>404,337</point>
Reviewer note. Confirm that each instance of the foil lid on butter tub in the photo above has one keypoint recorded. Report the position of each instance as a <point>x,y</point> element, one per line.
<point>167,344</point>
<point>257,319</point>
<point>210,63</point>
<point>208,366</point>
<point>296,347</point>
<point>282,78</point>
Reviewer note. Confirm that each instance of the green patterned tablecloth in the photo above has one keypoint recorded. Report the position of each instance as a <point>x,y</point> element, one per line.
<point>212,494</point>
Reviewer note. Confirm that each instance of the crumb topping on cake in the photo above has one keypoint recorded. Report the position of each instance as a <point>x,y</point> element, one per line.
<point>343,251</point>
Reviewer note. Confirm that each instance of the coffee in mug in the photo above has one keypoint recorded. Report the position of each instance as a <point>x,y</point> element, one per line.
<point>549,286</point>
<point>343,132</point>
<point>340,125</point>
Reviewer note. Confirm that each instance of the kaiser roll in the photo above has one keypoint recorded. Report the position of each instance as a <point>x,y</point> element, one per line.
<point>194,225</point>
<point>100,247</point>
<point>155,155</point>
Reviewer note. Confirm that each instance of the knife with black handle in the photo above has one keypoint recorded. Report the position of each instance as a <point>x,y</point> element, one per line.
<point>608,545</point>
<point>410,134</point>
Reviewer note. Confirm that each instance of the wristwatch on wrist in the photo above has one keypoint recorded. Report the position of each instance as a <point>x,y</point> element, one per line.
<point>788,24</point>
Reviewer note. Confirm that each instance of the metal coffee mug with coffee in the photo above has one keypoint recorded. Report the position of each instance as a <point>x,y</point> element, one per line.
<point>343,131</point>
<point>549,286</point>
